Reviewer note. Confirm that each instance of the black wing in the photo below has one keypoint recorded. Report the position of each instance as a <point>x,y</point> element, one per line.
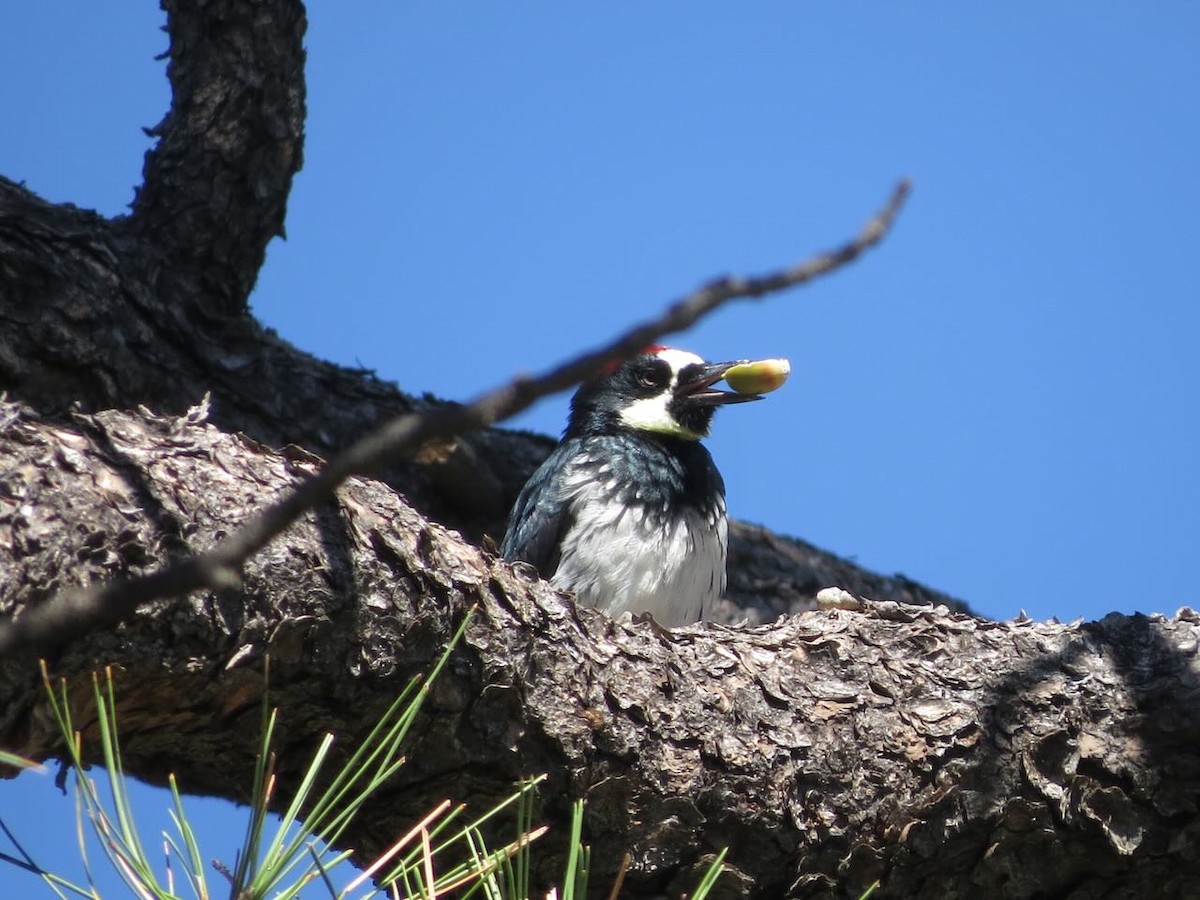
<point>541,515</point>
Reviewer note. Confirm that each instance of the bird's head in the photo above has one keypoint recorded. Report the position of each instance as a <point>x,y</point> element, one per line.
<point>661,390</point>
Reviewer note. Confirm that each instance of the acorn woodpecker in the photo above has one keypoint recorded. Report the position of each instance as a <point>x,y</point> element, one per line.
<point>628,512</point>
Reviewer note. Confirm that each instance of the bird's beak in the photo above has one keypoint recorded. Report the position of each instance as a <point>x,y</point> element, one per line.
<point>697,388</point>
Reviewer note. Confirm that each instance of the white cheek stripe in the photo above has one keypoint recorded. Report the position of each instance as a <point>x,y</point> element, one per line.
<point>650,414</point>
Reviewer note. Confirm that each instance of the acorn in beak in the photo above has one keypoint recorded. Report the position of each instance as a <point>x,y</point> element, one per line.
<point>750,379</point>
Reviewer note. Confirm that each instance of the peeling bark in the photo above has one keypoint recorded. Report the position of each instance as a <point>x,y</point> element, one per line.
<point>927,748</point>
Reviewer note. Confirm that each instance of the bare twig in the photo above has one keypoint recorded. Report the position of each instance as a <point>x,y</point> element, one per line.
<point>71,613</point>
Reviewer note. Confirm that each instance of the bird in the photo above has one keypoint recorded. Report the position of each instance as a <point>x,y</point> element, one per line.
<point>628,511</point>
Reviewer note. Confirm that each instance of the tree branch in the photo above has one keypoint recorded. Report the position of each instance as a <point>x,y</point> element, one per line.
<point>65,617</point>
<point>828,749</point>
<point>216,186</point>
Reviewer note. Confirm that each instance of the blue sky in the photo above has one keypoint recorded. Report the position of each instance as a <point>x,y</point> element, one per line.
<point>999,402</point>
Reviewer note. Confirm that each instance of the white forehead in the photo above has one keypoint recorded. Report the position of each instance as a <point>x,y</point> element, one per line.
<point>677,359</point>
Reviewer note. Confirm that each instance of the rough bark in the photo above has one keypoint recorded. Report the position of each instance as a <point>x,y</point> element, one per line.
<point>935,751</point>
<point>943,754</point>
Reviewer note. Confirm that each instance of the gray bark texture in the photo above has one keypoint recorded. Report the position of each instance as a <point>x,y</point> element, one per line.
<point>898,739</point>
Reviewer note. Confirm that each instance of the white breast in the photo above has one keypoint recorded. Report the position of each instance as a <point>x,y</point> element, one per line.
<point>619,560</point>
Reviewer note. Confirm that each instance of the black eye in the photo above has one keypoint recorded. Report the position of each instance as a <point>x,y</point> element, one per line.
<point>653,373</point>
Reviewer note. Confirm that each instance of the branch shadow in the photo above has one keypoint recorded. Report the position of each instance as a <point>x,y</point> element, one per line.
<point>1121,784</point>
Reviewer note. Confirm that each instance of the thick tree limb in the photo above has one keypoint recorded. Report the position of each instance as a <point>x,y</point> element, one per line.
<point>216,186</point>
<point>929,749</point>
